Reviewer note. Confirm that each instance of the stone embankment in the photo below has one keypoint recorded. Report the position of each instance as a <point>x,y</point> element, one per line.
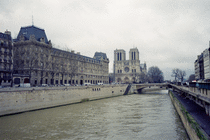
<point>193,129</point>
<point>16,100</point>
<point>148,89</point>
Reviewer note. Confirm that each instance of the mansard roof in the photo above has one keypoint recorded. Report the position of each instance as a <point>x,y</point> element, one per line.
<point>86,58</point>
<point>32,30</point>
<point>5,36</point>
<point>99,55</point>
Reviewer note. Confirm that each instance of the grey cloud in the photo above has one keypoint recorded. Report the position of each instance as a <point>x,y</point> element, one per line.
<point>167,33</point>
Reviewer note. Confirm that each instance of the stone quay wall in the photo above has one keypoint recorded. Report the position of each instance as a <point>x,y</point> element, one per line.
<point>193,130</point>
<point>16,100</point>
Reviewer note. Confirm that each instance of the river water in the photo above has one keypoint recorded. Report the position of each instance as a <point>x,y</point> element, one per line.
<point>147,116</point>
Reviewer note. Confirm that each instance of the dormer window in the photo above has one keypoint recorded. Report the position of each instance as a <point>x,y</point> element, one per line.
<point>2,43</point>
<point>42,39</point>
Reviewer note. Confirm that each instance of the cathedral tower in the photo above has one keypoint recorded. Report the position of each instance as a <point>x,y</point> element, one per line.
<point>119,55</point>
<point>134,54</point>
<point>127,71</point>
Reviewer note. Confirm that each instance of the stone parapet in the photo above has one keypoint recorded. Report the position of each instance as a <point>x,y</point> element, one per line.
<point>15,100</point>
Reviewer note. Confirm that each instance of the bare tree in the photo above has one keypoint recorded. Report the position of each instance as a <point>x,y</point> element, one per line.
<point>53,71</point>
<point>17,64</point>
<point>178,74</point>
<point>175,74</point>
<point>44,69</point>
<point>63,70</point>
<point>66,48</point>
<point>135,76</point>
<point>31,64</point>
<point>155,75</point>
<point>143,77</point>
<point>25,62</point>
<point>73,68</point>
<point>182,74</point>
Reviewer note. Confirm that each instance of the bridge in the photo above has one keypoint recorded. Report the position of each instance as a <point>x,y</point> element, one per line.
<point>139,87</point>
<point>199,93</point>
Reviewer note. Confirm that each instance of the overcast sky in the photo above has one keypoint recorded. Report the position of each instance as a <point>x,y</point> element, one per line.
<point>168,33</point>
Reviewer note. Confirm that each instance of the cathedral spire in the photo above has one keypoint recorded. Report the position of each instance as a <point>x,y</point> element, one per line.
<point>32,20</point>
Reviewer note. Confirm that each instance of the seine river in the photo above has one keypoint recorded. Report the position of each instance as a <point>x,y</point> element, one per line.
<point>148,116</point>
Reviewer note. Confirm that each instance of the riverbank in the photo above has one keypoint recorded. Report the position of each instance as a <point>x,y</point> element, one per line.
<point>16,100</point>
<point>132,117</point>
<point>148,89</point>
<point>195,121</point>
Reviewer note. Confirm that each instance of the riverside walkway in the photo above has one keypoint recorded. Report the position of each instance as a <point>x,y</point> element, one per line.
<point>196,111</point>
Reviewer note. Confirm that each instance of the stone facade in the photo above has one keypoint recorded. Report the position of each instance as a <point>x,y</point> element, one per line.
<point>25,99</point>
<point>6,57</point>
<point>128,71</point>
<point>202,65</point>
<point>206,63</point>
<point>36,58</point>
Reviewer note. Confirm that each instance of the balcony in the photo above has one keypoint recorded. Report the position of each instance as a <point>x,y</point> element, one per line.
<point>10,61</point>
<point>7,77</point>
<point>5,45</point>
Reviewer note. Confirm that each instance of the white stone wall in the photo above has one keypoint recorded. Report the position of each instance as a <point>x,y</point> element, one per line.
<point>14,101</point>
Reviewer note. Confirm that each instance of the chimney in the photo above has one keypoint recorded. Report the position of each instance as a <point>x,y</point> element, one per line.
<point>7,32</point>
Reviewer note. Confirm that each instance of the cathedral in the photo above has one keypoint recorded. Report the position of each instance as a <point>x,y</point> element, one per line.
<point>128,71</point>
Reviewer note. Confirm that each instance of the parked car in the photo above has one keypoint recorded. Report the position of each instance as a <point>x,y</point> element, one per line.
<point>25,85</point>
<point>86,84</point>
<point>67,85</point>
<point>44,85</point>
<point>100,84</point>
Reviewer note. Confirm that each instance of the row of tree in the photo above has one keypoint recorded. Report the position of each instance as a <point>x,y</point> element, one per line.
<point>178,74</point>
<point>155,75</point>
<point>31,62</point>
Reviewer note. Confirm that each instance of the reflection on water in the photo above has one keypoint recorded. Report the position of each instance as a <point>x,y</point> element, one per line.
<point>149,116</point>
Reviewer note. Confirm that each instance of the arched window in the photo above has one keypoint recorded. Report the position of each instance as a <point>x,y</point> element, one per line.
<point>132,55</point>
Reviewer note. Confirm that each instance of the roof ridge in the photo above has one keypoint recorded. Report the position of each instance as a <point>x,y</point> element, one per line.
<point>32,26</point>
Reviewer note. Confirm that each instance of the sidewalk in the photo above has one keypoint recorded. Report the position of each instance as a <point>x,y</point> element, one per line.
<point>196,111</point>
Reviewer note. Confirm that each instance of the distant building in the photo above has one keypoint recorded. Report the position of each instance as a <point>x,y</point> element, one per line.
<point>40,63</point>
<point>202,65</point>
<point>128,71</point>
<point>196,66</point>
<point>6,57</point>
<point>206,63</point>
